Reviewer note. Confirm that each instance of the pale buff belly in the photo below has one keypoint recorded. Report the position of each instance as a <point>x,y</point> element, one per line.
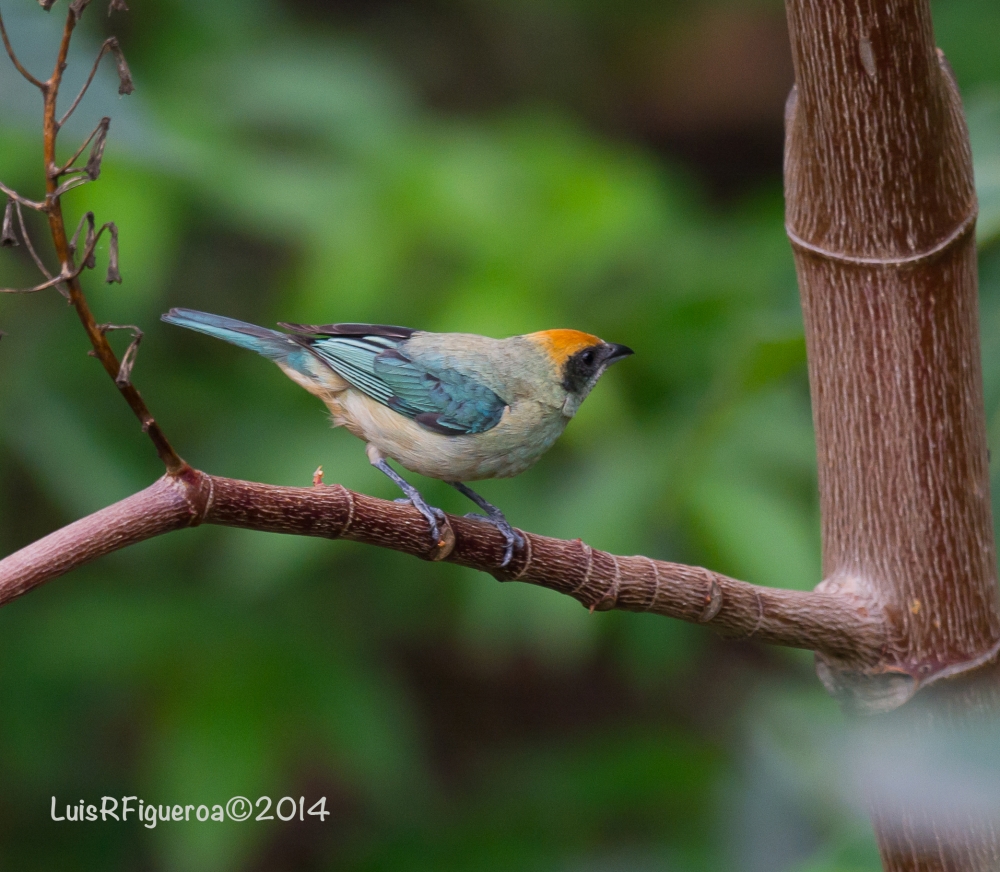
<point>516,443</point>
<point>522,436</point>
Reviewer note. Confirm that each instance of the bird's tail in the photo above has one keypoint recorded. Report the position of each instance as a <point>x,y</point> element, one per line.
<point>269,343</point>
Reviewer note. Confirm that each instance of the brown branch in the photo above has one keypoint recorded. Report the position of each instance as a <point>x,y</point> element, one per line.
<point>156,510</point>
<point>68,272</point>
<point>42,86</point>
<point>835,623</point>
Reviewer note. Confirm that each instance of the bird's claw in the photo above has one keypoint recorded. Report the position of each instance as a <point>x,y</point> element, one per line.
<point>509,533</point>
<point>432,515</point>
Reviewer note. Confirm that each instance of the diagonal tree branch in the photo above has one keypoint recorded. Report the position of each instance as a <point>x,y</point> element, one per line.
<point>836,623</point>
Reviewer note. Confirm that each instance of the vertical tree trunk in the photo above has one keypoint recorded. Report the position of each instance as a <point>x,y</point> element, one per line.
<point>881,211</point>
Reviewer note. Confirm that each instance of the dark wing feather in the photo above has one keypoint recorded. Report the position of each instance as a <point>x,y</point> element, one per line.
<point>389,332</point>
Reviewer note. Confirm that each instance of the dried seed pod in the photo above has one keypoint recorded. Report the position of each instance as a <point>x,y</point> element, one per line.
<point>8,238</point>
<point>93,168</point>
<point>77,7</point>
<point>113,274</point>
<point>90,243</point>
<point>125,83</point>
<point>87,219</point>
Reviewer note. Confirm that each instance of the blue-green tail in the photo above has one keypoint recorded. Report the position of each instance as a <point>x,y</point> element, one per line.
<point>269,343</point>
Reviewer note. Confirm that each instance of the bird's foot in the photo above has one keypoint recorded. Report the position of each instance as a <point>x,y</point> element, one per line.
<point>434,516</point>
<point>492,515</point>
<point>513,538</point>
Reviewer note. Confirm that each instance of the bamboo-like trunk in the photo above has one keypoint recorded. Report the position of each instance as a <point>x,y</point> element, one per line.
<point>881,212</point>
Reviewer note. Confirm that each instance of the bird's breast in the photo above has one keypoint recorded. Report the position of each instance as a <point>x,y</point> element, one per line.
<point>525,432</point>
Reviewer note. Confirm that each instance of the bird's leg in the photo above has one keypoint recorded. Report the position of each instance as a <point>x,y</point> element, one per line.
<point>493,516</point>
<point>412,496</point>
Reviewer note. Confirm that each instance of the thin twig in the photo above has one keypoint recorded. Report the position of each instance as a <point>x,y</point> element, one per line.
<point>88,219</point>
<point>68,166</point>
<point>42,86</point>
<point>24,201</point>
<point>67,280</point>
<point>76,182</point>
<point>34,254</point>
<point>57,225</point>
<point>51,283</point>
<point>86,262</point>
<point>105,48</point>
<point>128,358</point>
<point>27,241</point>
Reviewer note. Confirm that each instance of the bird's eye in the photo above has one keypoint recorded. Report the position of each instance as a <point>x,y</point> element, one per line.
<point>588,357</point>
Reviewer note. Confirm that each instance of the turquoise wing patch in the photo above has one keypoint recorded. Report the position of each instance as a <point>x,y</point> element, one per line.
<point>438,398</point>
<point>353,358</point>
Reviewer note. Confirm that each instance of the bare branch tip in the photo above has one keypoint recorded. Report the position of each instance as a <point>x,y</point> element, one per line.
<point>117,6</point>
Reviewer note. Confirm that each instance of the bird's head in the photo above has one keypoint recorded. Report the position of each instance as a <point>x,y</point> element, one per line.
<point>579,360</point>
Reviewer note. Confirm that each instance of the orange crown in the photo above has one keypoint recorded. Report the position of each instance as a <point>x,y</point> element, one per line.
<point>562,344</point>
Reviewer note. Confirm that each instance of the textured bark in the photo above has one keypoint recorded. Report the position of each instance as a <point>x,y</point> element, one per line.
<point>881,210</point>
<point>839,624</point>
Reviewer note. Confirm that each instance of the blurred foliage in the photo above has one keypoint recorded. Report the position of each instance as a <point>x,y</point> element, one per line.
<point>288,162</point>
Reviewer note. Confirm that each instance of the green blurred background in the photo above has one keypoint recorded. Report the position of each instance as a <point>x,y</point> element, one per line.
<point>469,165</point>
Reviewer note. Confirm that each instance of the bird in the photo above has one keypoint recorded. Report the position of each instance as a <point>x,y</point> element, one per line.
<point>456,407</point>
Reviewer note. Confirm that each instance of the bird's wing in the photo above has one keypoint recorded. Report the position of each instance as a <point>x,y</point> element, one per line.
<point>371,358</point>
<point>438,397</point>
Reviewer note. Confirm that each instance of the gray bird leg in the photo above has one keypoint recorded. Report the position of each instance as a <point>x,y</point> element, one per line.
<point>493,516</point>
<point>413,497</point>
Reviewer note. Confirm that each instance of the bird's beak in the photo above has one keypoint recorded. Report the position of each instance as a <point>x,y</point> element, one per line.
<point>617,352</point>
